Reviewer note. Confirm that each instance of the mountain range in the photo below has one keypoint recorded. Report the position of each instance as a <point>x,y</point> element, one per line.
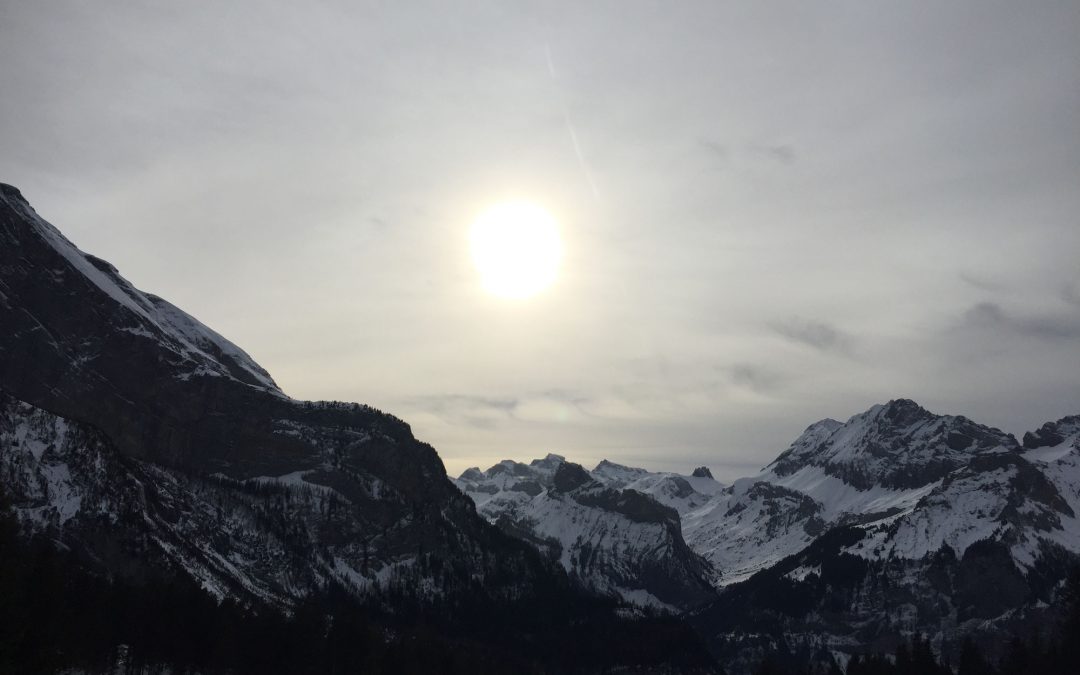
<point>148,447</point>
<point>862,533</point>
<point>615,530</point>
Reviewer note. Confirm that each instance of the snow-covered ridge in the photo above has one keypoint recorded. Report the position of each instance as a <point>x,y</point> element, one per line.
<point>915,480</point>
<point>509,480</point>
<point>208,342</point>
<point>898,445</point>
<point>681,492</point>
<point>615,529</point>
<point>148,316</point>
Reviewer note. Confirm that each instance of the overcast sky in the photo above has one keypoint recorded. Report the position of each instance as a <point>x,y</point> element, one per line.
<point>776,212</point>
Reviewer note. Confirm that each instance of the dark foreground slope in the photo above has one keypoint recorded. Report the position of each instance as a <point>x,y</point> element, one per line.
<point>56,615</point>
<point>155,452</point>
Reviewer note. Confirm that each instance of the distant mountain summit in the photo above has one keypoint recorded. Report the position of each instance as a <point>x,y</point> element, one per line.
<point>896,445</point>
<point>702,472</point>
<point>887,464</point>
<point>610,536</point>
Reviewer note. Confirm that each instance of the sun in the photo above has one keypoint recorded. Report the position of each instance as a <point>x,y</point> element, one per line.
<point>516,248</point>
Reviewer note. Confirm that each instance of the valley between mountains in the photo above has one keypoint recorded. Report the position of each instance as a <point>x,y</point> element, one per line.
<point>144,449</point>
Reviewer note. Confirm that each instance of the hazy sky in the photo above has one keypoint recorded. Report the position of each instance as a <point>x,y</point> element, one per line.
<point>780,211</point>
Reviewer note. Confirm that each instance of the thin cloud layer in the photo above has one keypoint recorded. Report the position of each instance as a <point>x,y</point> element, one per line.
<point>990,316</point>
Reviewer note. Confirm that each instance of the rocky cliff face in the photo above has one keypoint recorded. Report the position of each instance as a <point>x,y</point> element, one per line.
<point>611,538</point>
<point>138,435</point>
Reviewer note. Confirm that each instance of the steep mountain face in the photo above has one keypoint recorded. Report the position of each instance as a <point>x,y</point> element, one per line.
<point>877,467</point>
<point>611,537</point>
<point>67,480</point>
<point>1054,451</point>
<point>138,435</point>
<point>895,522</point>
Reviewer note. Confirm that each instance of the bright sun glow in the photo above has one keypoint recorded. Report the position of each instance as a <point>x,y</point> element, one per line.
<point>516,248</point>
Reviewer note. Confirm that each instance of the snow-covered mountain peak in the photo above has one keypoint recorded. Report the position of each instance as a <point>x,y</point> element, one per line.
<point>508,471</point>
<point>898,445</point>
<point>916,480</point>
<point>509,482</point>
<point>617,475</point>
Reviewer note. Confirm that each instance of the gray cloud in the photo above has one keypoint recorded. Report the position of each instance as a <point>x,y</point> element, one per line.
<point>980,283</point>
<point>985,314</point>
<point>1051,327</point>
<point>715,148</point>
<point>1071,294</point>
<point>817,334</point>
<point>784,154</point>
<point>989,315</point>
<point>755,378</point>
